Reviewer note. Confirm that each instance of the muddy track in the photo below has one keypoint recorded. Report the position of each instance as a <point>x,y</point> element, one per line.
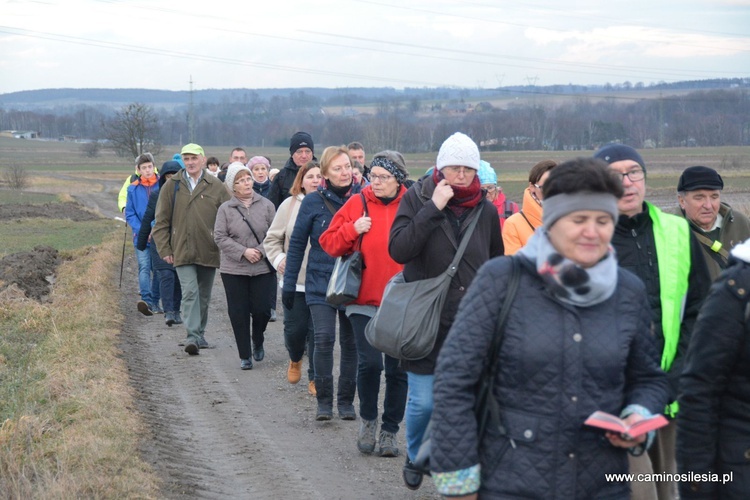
<point>214,431</point>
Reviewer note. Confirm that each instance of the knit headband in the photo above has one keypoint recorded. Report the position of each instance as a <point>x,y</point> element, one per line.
<point>390,166</point>
<point>563,204</point>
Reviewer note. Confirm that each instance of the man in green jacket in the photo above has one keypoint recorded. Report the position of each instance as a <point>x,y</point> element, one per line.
<point>717,227</point>
<point>184,237</point>
<point>660,249</point>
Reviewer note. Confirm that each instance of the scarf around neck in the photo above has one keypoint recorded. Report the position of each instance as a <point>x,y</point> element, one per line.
<point>565,279</point>
<point>464,198</point>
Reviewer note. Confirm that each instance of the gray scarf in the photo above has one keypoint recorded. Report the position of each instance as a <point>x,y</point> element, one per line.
<point>568,281</point>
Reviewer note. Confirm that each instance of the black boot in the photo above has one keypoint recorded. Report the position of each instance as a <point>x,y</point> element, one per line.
<point>345,398</point>
<point>324,388</point>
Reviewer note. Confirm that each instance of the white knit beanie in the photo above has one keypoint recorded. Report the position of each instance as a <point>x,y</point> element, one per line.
<point>234,169</point>
<point>458,150</point>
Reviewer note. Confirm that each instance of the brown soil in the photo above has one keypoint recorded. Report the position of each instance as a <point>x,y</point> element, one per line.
<point>32,272</point>
<point>72,211</point>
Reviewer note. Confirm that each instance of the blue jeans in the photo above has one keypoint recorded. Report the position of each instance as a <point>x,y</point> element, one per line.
<point>418,410</point>
<point>298,331</point>
<point>324,321</point>
<point>171,292</point>
<point>197,282</point>
<point>368,380</point>
<point>144,277</point>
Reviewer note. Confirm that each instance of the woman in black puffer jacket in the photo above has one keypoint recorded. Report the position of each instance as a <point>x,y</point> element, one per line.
<point>577,340</point>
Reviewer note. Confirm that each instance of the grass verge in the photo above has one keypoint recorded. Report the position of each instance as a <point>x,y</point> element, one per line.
<point>69,428</point>
<point>64,234</point>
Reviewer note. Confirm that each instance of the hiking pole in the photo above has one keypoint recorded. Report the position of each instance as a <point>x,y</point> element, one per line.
<point>124,239</point>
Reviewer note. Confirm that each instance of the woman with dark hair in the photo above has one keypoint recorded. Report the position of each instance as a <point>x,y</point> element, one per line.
<point>519,227</point>
<point>363,224</point>
<point>315,214</point>
<point>577,340</point>
<point>433,217</point>
<point>298,327</point>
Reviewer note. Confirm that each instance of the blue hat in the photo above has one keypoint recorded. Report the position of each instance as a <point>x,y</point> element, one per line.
<point>486,173</point>
<point>612,153</point>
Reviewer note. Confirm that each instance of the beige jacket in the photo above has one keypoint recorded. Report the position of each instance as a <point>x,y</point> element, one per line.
<point>277,240</point>
<point>233,235</point>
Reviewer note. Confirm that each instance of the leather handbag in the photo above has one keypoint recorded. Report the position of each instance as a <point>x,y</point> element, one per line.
<point>346,278</point>
<point>486,407</point>
<point>406,324</point>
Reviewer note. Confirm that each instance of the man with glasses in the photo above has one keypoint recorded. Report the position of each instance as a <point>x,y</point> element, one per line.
<point>301,149</point>
<point>661,250</point>
<point>183,232</point>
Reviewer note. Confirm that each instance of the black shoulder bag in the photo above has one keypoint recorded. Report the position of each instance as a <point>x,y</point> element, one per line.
<point>486,407</point>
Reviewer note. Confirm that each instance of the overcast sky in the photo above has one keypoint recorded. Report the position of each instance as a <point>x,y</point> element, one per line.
<point>162,44</point>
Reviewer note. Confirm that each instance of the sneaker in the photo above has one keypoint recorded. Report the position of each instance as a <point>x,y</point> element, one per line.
<point>192,348</point>
<point>169,318</point>
<point>412,477</point>
<point>246,364</point>
<point>143,308</point>
<point>273,316</point>
<point>156,309</point>
<point>294,372</point>
<point>366,437</point>
<point>311,388</point>
<point>177,318</point>
<point>387,444</point>
<point>202,343</point>
<point>258,353</point>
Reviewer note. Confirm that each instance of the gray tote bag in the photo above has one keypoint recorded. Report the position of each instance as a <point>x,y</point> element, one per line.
<point>408,319</point>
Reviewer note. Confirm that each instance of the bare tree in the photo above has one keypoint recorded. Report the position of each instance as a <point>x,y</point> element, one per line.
<point>91,149</point>
<point>16,176</point>
<point>133,131</point>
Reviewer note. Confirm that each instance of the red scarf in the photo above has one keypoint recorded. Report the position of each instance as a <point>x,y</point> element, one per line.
<point>464,198</point>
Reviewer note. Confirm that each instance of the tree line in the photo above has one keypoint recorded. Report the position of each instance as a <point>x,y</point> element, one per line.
<point>699,118</point>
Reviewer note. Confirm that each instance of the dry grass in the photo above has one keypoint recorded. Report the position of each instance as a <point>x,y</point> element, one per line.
<point>71,430</point>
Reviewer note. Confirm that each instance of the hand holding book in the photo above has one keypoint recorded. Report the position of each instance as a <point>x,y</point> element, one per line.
<point>628,429</point>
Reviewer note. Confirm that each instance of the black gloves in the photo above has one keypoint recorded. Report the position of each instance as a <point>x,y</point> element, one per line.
<point>287,298</point>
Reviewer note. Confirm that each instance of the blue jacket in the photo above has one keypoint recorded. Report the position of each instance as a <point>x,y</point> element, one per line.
<point>312,221</point>
<point>138,196</point>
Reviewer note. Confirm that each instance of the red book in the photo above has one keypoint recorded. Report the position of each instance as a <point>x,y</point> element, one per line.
<point>609,422</point>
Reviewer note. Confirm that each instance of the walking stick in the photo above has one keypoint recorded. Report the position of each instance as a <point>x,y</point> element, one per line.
<point>122,259</point>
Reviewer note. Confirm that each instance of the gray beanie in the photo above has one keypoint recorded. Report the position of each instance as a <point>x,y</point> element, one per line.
<point>458,150</point>
<point>234,169</point>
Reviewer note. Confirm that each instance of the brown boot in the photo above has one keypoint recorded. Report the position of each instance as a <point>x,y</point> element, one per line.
<point>311,388</point>
<point>294,372</point>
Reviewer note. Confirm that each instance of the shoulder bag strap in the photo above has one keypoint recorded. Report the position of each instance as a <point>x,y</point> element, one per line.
<point>527,220</point>
<point>367,214</point>
<point>714,246</point>
<point>490,370</point>
<point>464,242</point>
<point>171,218</point>
<point>327,203</point>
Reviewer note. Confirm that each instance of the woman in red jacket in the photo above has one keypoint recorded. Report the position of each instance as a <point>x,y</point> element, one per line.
<point>373,224</point>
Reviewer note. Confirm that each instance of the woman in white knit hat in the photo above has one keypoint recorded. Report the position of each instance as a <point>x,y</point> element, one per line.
<point>431,221</point>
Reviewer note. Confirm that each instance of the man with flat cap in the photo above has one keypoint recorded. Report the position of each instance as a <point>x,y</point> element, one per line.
<point>717,227</point>
<point>661,250</point>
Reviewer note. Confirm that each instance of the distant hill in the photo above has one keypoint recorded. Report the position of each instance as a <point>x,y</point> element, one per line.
<point>58,99</point>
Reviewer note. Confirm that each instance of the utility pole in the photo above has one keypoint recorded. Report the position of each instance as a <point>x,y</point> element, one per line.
<point>191,116</point>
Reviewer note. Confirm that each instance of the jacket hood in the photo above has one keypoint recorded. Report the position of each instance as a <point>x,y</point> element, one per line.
<point>169,167</point>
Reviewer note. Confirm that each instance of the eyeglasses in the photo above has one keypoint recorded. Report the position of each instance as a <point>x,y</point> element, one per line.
<point>634,175</point>
<point>244,180</point>
<point>538,186</point>
<point>460,170</point>
<point>491,188</point>
<point>380,178</point>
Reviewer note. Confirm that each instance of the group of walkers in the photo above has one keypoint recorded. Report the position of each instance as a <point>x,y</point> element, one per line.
<point>586,298</point>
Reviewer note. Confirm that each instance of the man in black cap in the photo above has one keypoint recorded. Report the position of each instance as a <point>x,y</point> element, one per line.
<point>716,226</point>
<point>661,250</point>
<point>301,149</point>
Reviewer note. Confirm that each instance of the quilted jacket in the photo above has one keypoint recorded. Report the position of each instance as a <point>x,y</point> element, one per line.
<point>313,218</point>
<point>558,364</point>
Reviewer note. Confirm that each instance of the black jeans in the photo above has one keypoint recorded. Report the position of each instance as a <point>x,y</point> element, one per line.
<point>298,331</point>
<point>324,321</point>
<point>248,295</point>
<point>171,292</point>
<point>368,380</point>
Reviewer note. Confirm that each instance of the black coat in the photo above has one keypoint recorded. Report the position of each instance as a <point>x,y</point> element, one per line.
<point>423,238</point>
<point>713,425</point>
<point>557,364</point>
<point>282,183</point>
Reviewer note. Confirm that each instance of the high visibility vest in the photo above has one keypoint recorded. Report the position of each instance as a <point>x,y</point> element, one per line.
<point>672,240</point>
